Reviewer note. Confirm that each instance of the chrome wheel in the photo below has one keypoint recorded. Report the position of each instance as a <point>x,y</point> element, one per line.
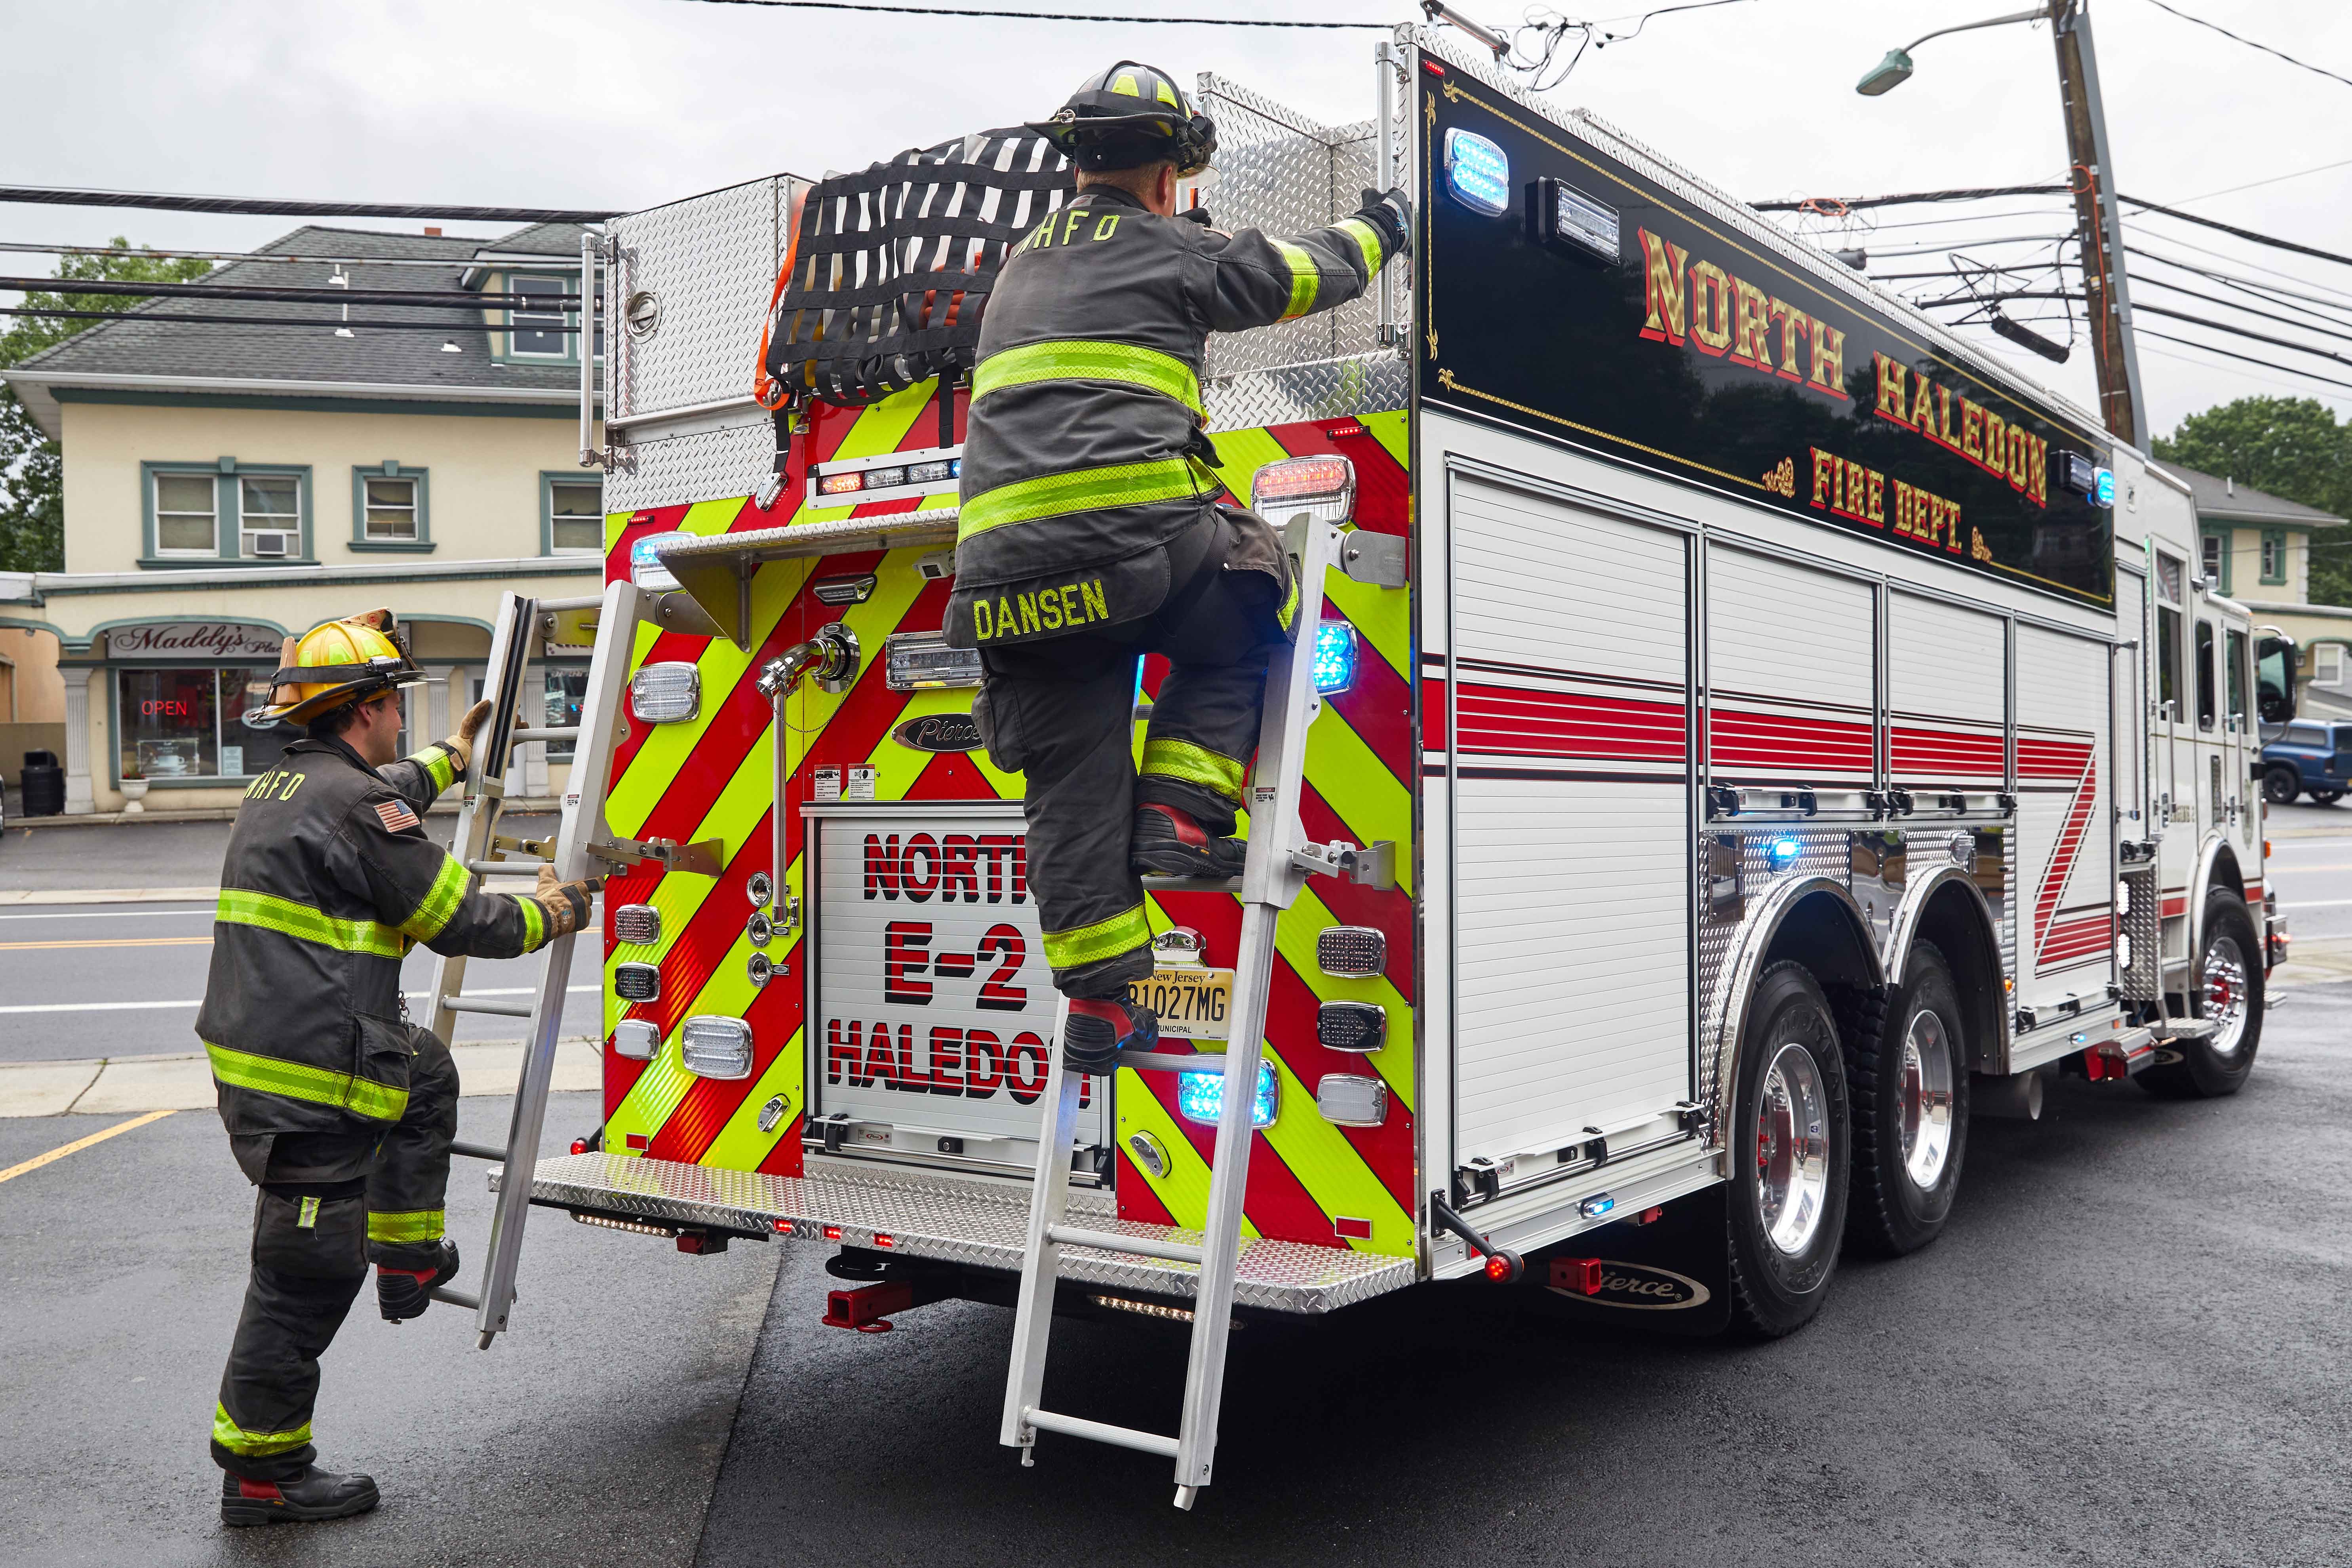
<point>1792,1150</point>
<point>1923,1104</point>
<point>2225,994</point>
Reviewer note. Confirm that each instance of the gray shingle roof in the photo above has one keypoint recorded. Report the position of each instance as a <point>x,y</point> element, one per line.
<point>2223,500</point>
<point>140,345</point>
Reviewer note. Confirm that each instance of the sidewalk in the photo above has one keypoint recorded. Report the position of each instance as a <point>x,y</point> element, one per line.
<point>521,805</point>
<point>103,1087</point>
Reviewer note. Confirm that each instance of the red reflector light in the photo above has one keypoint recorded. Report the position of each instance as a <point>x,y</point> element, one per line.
<point>1651,1214</point>
<point>884,1238</point>
<point>580,1145</point>
<point>1334,432</point>
<point>1432,67</point>
<point>1497,1266</point>
<point>638,1140</point>
<point>840,484</point>
<point>784,1228</point>
<point>1582,1276</point>
<point>832,1233</point>
<point>1349,1229</point>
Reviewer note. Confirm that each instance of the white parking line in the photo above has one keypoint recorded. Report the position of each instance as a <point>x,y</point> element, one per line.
<point>113,915</point>
<point>136,1006</point>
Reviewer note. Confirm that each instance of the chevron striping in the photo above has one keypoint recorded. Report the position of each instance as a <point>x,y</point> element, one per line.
<point>1184,1191</point>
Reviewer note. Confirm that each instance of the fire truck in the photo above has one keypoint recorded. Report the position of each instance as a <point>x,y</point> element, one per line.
<point>1753,730</point>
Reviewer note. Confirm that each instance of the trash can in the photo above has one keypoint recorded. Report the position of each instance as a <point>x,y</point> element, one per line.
<point>44,784</point>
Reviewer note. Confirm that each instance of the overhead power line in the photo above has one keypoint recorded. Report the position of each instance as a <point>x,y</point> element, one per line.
<point>284,258</point>
<point>1046,15</point>
<point>2250,359</point>
<point>2275,54</point>
<point>328,322</point>
<point>318,296</point>
<point>54,196</point>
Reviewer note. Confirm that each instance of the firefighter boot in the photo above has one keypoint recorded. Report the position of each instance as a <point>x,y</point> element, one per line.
<point>405,1293</point>
<point>1168,843</point>
<point>1100,1029</point>
<point>315,1494</point>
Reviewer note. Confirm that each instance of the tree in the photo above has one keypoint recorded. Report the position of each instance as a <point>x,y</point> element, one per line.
<point>31,469</point>
<point>2291,447</point>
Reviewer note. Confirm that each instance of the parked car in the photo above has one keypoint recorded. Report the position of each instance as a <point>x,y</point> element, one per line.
<point>2308,758</point>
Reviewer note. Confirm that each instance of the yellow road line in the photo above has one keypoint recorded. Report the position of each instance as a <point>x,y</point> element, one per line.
<point>131,942</point>
<point>37,1161</point>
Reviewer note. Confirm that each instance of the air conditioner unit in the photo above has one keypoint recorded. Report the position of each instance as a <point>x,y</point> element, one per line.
<point>272,543</point>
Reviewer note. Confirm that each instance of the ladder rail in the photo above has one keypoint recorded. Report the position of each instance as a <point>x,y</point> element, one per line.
<point>581,821</point>
<point>1271,878</point>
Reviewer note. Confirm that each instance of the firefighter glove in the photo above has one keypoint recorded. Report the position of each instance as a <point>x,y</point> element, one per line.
<point>566,904</point>
<point>462,742</point>
<point>1391,212</point>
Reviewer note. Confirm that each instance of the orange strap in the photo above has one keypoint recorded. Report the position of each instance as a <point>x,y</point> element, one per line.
<point>766,390</point>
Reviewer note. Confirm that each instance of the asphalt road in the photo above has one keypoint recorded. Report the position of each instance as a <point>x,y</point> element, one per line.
<point>2127,1348</point>
<point>124,979</point>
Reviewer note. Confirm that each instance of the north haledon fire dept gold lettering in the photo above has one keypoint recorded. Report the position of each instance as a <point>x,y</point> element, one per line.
<point>2001,448</point>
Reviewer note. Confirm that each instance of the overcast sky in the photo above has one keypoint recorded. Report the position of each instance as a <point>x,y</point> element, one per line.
<point>627,103</point>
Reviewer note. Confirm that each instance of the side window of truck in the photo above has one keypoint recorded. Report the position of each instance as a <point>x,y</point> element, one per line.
<point>2238,681</point>
<point>2168,658</point>
<point>2205,704</point>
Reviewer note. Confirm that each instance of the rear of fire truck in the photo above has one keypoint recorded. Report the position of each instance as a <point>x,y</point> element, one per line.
<point>828,1014</point>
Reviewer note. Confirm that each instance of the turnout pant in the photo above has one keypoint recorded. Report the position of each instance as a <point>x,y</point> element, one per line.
<point>1060,710</point>
<point>329,1204</point>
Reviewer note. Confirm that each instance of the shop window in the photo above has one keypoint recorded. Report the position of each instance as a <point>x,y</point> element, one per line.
<point>187,520</point>
<point>573,520</point>
<point>269,515</point>
<point>567,688</point>
<point>190,724</point>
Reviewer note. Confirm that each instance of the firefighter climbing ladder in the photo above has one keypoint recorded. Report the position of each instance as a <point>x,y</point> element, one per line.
<point>1280,860</point>
<point>483,850</point>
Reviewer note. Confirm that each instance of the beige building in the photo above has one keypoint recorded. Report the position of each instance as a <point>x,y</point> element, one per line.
<point>226,486</point>
<point>2257,550</point>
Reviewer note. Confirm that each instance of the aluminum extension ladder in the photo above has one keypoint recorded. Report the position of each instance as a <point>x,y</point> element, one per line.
<point>484,851</point>
<point>1280,860</point>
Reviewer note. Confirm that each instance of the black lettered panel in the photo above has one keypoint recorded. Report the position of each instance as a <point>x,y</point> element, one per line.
<point>1681,344</point>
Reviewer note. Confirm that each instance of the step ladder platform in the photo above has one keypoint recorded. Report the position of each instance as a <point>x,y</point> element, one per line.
<point>957,1220</point>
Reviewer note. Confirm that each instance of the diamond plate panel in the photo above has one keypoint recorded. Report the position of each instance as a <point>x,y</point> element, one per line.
<point>705,466</point>
<point>2143,979</point>
<point>984,1224</point>
<point>708,263</point>
<point>1251,399</point>
<point>1735,873</point>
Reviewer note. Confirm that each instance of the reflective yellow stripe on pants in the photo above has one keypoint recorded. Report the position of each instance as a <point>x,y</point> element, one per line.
<point>1104,939</point>
<point>300,1081</point>
<point>1085,489</point>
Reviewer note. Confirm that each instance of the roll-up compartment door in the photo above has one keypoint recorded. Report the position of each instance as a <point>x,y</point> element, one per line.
<point>2063,899</point>
<point>1791,658</point>
<point>1572,829</point>
<point>1947,681</point>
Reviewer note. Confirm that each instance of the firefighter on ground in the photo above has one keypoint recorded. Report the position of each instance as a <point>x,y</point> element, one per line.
<point>339,1110</point>
<point>1091,531</point>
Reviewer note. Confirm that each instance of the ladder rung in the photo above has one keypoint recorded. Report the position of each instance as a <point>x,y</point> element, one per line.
<point>1173,1251</point>
<point>488,1005</point>
<point>523,737</point>
<point>462,1298</point>
<point>479,1151</point>
<point>1193,884</point>
<point>585,602</point>
<point>1166,1061</point>
<point>525,866</point>
<point>1098,1432</point>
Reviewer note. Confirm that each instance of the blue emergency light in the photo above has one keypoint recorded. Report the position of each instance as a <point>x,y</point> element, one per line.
<point>1200,1096</point>
<point>1335,657</point>
<point>1477,172</point>
<point>1784,852</point>
<point>2103,486</point>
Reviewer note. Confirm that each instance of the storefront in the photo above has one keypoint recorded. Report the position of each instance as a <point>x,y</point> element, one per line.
<point>180,693</point>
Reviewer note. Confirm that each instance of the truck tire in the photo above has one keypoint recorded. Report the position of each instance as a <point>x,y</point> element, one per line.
<point>2280,783</point>
<point>1907,1067</point>
<point>1790,1144</point>
<point>2230,988</point>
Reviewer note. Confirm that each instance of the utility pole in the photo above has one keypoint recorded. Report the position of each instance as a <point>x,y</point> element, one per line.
<point>2097,227</point>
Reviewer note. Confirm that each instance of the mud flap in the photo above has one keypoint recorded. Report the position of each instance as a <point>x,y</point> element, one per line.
<point>1671,1275</point>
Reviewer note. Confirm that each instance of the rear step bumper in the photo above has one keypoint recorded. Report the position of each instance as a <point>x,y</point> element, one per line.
<point>982,1224</point>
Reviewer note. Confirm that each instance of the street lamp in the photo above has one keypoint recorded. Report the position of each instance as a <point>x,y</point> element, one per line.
<point>1896,69</point>
<point>2092,181</point>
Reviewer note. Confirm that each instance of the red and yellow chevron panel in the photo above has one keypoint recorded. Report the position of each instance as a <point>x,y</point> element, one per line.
<point>713,777</point>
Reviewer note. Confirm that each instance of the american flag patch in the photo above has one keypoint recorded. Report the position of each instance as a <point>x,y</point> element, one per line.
<point>396,817</point>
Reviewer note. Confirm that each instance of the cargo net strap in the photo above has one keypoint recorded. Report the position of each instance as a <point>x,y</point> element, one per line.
<point>891,266</point>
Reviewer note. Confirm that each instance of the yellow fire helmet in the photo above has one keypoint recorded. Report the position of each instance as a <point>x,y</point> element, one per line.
<point>338,663</point>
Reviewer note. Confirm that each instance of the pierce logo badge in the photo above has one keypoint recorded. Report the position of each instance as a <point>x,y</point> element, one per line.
<point>1642,1288</point>
<point>939,733</point>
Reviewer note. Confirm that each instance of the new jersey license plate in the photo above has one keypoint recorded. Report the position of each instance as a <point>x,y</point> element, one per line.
<point>1193,1004</point>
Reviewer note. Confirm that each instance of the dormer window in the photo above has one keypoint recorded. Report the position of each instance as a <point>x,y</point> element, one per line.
<point>536,334</point>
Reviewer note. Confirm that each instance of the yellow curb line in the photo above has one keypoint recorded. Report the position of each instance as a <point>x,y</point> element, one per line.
<point>37,1161</point>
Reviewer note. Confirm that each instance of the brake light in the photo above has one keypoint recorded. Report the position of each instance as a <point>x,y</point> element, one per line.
<point>840,484</point>
<point>832,1233</point>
